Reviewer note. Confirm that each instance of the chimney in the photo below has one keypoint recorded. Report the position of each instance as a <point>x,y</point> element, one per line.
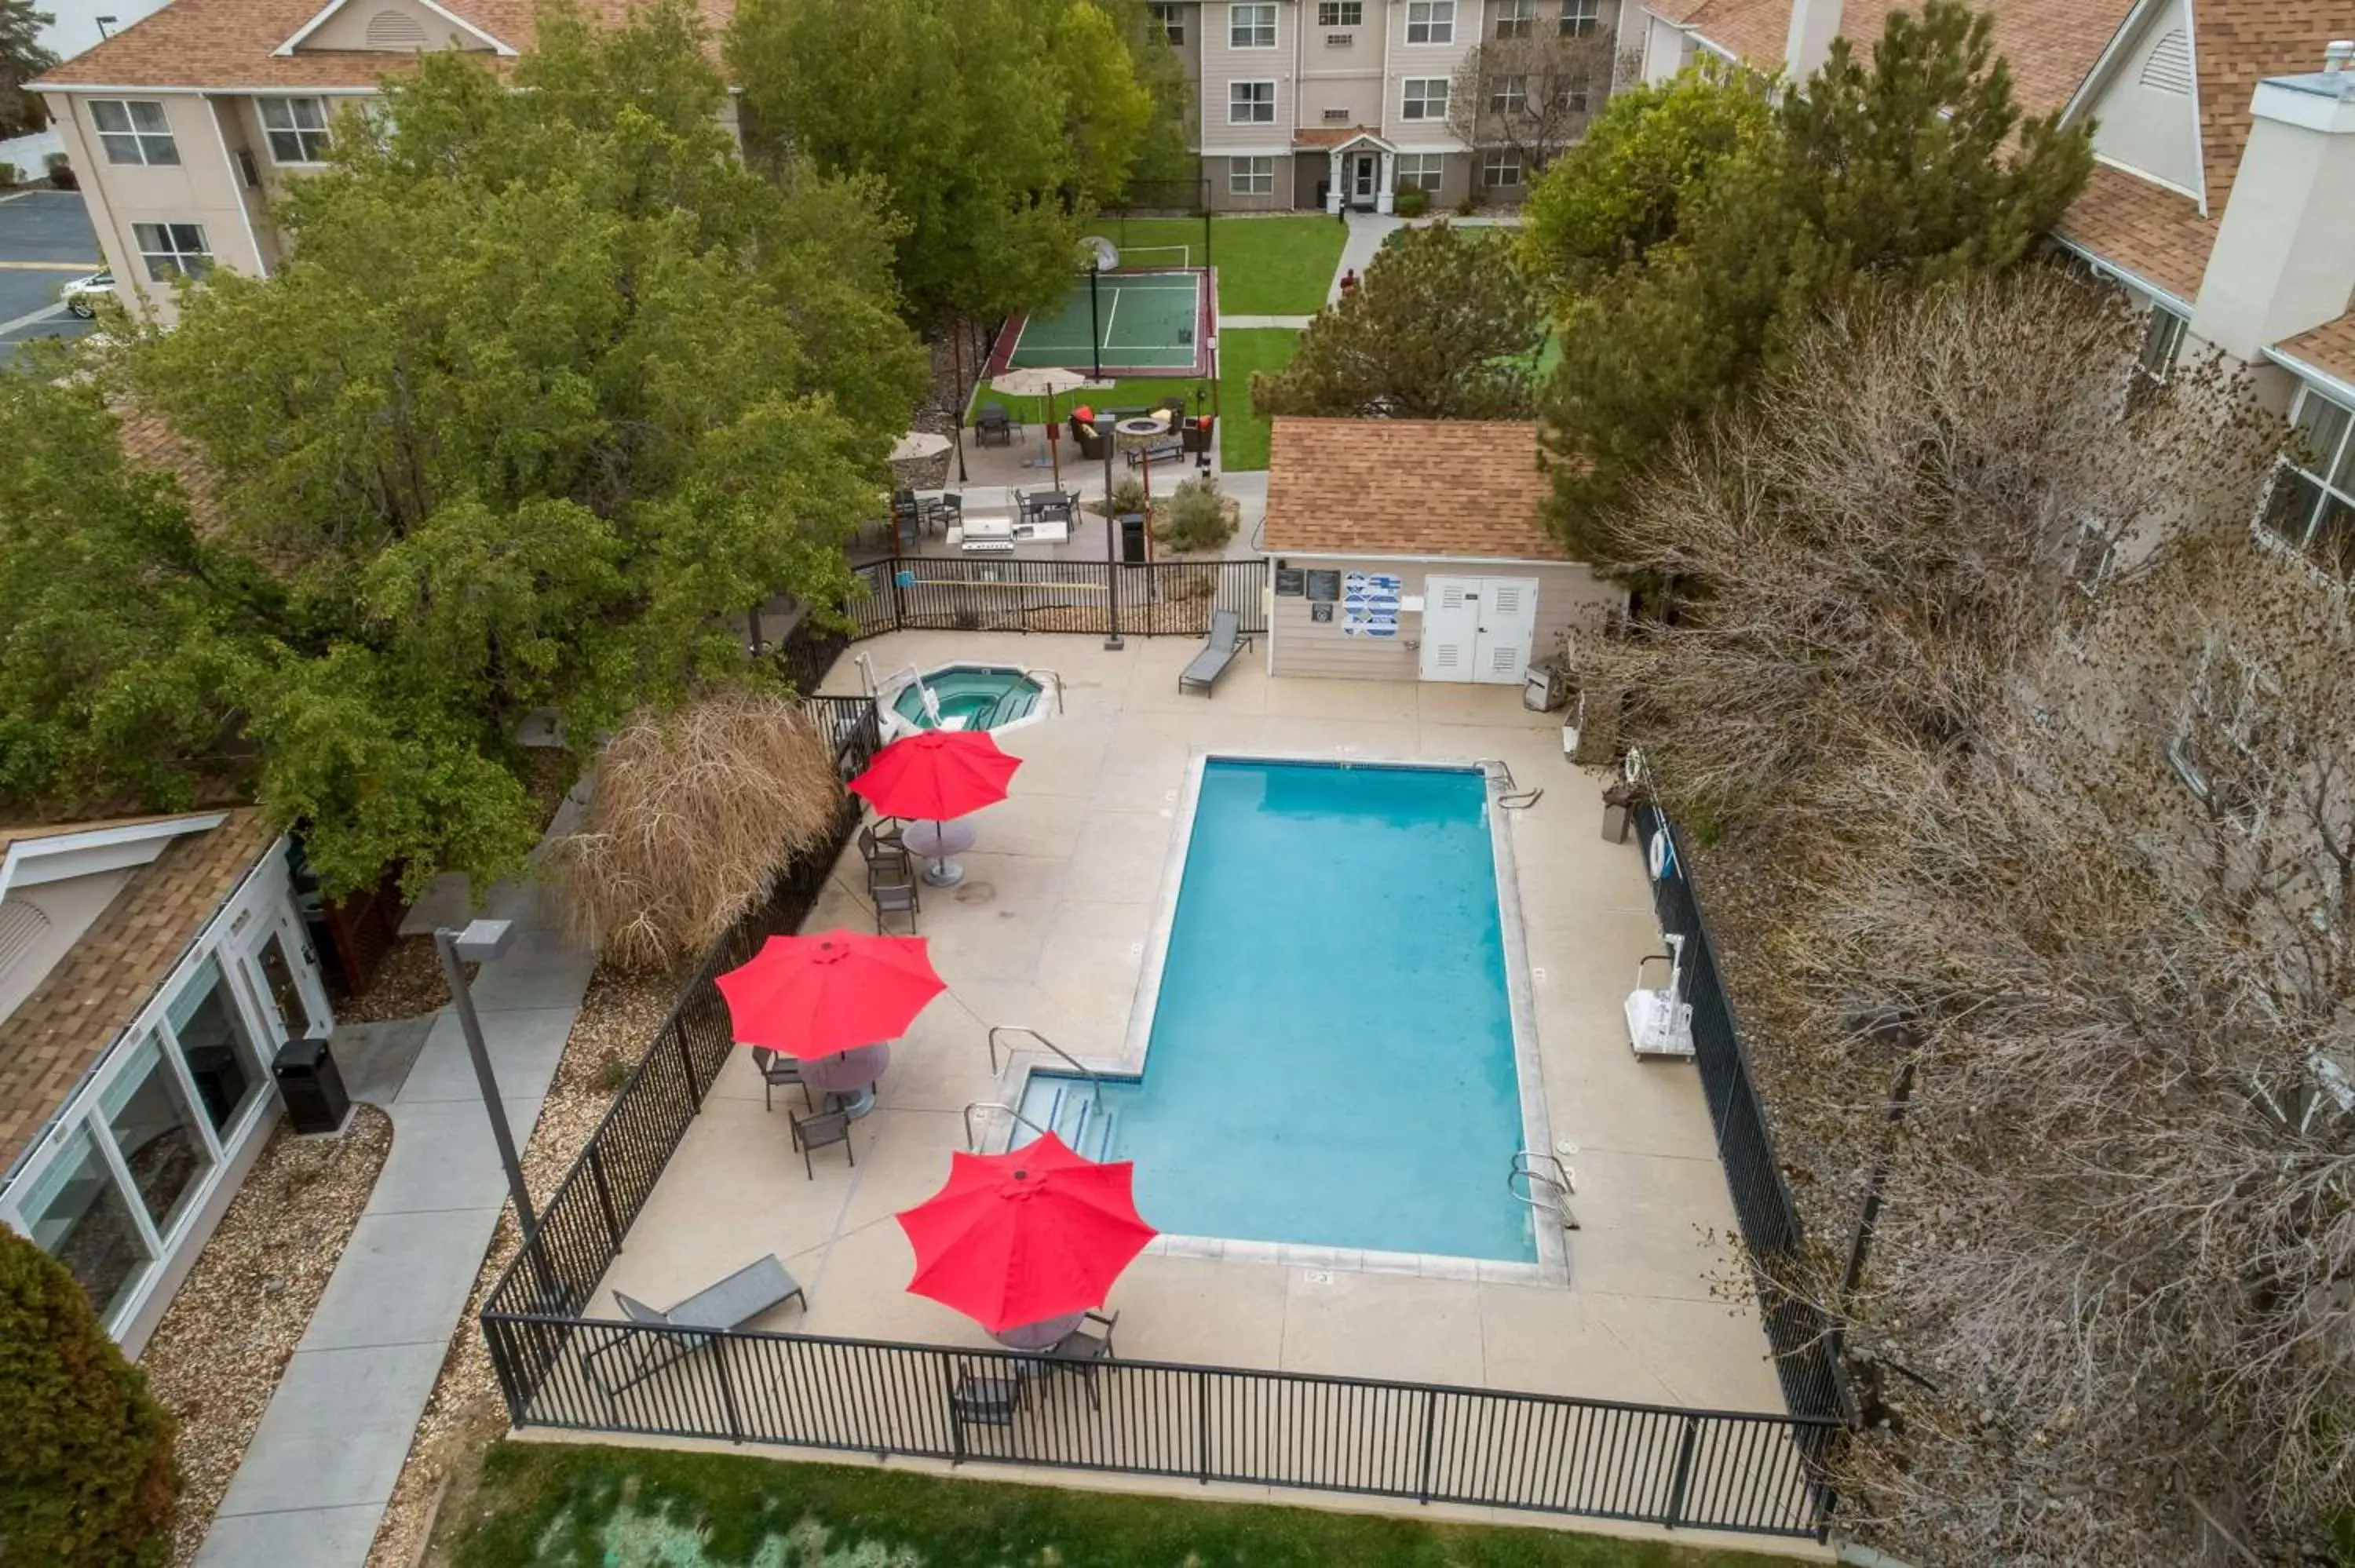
<point>1814,25</point>
<point>2284,261</point>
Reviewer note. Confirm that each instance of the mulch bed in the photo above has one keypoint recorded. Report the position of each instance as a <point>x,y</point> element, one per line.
<point>215,1358</point>
<point>408,982</point>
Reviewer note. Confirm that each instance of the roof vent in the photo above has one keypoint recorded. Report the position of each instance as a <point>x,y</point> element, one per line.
<point>21,926</point>
<point>2337,55</point>
<point>395,30</point>
<point>2168,68</point>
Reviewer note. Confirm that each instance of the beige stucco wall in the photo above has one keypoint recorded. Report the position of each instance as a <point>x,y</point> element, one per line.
<point>203,188</point>
<point>2142,124</point>
<point>1407,61</point>
<point>1300,645</point>
<point>1223,199</point>
<point>1222,64</point>
<point>347,28</point>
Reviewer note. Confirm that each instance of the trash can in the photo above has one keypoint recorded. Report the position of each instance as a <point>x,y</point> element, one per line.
<point>1131,538</point>
<point>310,1085</point>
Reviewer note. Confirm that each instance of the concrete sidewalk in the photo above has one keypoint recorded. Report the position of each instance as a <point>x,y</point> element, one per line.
<point>313,1484</point>
<point>1367,232</point>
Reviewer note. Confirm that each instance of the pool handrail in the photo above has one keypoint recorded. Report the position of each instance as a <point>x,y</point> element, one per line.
<point>974,1106</point>
<point>1077,1066</point>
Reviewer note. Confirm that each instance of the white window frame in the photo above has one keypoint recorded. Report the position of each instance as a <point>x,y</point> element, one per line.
<point>2331,476</point>
<point>1581,18</point>
<point>2090,556</point>
<point>174,255</point>
<point>310,142</point>
<point>1170,19</point>
<point>1247,20</point>
<point>1251,175</point>
<point>1423,106</point>
<point>1508,94</point>
<point>1340,13</point>
<point>1252,104</point>
<point>1494,164</point>
<point>1429,170</point>
<point>143,146</point>
<point>2230,713</point>
<point>1434,20</point>
<point>1515,17</point>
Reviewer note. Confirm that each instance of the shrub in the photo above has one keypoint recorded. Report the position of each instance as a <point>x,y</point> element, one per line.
<point>8,175</point>
<point>61,173</point>
<point>1127,497</point>
<point>1411,202</point>
<point>86,1450</point>
<point>1196,517</point>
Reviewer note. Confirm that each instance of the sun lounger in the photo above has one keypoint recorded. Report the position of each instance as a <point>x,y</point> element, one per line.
<point>755,1288</point>
<point>1218,650</point>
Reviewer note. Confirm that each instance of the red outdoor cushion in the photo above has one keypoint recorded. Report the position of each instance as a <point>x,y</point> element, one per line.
<point>1084,415</point>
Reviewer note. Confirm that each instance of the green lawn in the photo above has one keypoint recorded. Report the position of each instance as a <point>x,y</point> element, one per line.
<point>1267,266</point>
<point>1243,437</point>
<point>545,1506</point>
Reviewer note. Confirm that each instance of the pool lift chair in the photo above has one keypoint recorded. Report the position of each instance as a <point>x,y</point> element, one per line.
<point>1659,1018</point>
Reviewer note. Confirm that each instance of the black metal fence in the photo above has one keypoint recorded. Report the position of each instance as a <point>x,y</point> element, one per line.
<point>1163,599</point>
<point>1803,1335</point>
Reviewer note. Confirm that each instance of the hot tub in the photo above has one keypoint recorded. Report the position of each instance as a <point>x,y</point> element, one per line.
<point>964,696</point>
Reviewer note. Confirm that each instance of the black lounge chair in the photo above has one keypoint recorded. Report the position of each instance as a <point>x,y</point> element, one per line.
<point>755,1288</point>
<point>1218,650</point>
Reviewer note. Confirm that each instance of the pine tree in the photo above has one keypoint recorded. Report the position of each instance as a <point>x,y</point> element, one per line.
<point>22,59</point>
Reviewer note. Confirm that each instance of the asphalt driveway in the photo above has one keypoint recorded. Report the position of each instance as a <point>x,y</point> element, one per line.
<point>46,241</point>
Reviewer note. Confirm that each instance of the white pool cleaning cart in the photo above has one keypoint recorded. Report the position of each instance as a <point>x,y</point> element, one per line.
<point>1659,1018</point>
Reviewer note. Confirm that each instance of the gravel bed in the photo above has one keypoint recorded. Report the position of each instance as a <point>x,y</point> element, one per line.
<point>407,983</point>
<point>465,1414</point>
<point>215,1358</point>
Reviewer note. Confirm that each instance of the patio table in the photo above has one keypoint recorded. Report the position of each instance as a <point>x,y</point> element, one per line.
<point>850,1076</point>
<point>1040,1336</point>
<point>937,841</point>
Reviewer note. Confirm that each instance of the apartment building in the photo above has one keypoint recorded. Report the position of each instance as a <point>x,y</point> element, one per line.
<point>2223,197</point>
<point>184,126</point>
<point>1318,105</point>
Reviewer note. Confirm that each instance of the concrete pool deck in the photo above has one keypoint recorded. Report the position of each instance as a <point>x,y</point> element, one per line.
<point>1049,930</point>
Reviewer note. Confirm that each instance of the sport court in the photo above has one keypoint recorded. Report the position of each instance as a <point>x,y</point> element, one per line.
<point>1142,322</point>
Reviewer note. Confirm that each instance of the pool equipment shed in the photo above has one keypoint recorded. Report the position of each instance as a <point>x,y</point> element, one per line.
<point>1413,549</point>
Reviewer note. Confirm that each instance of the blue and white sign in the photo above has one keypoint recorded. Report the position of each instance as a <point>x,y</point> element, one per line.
<point>1369,604</point>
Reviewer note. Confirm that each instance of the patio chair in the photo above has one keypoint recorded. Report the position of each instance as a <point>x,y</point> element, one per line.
<point>1080,1352</point>
<point>984,1400</point>
<point>887,859</point>
<point>752,1290</point>
<point>777,1070</point>
<point>816,1131</point>
<point>993,426</point>
<point>1091,438</point>
<point>1218,650</point>
<point>893,899</point>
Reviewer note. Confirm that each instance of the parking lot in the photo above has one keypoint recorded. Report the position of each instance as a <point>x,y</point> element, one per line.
<point>46,241</point>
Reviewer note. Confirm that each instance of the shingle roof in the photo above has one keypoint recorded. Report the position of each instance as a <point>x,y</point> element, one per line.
<point>1407,487</point>
<point>2329,348</point>
<point>229,44</point>
<point>59,1031</point>
<point>2153,233</point>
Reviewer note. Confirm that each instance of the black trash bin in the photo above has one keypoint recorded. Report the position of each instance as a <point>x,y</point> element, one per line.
<point>310,1085</point>
<point>1131,538</point>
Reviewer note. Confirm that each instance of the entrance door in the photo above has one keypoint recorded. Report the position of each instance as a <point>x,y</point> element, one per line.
<point>1478,629</point>
<point>282,979</point>
<point>1362,179</point>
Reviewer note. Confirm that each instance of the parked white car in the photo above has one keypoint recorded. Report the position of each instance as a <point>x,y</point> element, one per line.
<point>81,295</point>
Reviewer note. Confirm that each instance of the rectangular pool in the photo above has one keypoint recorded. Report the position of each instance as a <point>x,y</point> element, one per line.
<point>1331,1057</point>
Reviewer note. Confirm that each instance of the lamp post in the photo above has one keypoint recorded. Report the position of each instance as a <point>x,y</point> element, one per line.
<point>479,943</point>
<point>1111,642</point>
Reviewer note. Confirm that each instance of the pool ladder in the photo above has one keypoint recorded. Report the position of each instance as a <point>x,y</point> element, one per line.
<point>1544,1183</point>
<point>1511,797</point>
<point>1087,1105</point>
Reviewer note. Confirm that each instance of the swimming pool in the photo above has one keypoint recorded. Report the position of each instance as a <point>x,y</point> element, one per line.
<point>1331,1055</point>
<point>970,697</point>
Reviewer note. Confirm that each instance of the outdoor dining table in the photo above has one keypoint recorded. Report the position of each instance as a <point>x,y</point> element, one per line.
<point>1044,1335</point>
<point>850,1076</point>
<point>937,841</point>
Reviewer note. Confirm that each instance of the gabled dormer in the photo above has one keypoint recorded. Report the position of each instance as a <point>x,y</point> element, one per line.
<point>2144,94</point>
<point>389,26</point>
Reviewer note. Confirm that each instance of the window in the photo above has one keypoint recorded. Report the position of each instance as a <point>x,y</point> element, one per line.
<point>2312,505</point>
<point>2162,342</point>
<point>2091,556</point>
<point>1250,103</point>
<point>1172,20</point>
<point>1579,17</point>
<point>1250,176</point>
<point>1508,95</point>
<point>297,129</point>
<point>1513,17</point>
<point>1251,27</point>
<point>156,1132</point>
<point>222,1059</point>
<point>134,131</point>
<point>1420,171</point>
<point>169,248</point>
<point>2223,736</point>
<point>1342,12</point>
<point>1574,93</point>
<point>79,1214</point>
<point>1431,21</point>
<point>1500,171</point>
<point>1426,98</point>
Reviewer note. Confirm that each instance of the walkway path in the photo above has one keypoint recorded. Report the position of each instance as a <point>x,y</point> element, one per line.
<point>1238,323</point>
<point>1367,232</point>
<point>313,1484</point>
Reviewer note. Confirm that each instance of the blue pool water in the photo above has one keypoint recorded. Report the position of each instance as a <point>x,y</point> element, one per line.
<point>1332,1056</point>
<point>970,697</point>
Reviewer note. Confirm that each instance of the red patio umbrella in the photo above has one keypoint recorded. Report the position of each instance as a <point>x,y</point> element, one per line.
<point>936,774</point>
<point>820,996</point>
<point>1032,1234</point>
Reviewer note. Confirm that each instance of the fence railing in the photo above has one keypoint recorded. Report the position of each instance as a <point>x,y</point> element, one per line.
<point>1162,599</point>
<point>1803,1335</point>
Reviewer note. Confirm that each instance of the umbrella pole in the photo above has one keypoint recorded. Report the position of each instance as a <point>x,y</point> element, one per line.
<point>1054,451</point>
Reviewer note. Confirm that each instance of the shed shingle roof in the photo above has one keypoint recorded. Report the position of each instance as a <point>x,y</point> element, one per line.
<point>61,1030</point>
<point>2329,348</point>
<point>1407,487</point>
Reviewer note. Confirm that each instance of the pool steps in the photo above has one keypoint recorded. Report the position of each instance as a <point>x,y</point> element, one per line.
<point>1073,1110</point>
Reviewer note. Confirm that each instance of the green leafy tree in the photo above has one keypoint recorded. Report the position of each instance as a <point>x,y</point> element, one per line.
<point>994,125</point>
<point>1441,326</point>
<point>86,1479</point>
<point>548,386</point>
<point>22,59</point>
<point>1919,167</point>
